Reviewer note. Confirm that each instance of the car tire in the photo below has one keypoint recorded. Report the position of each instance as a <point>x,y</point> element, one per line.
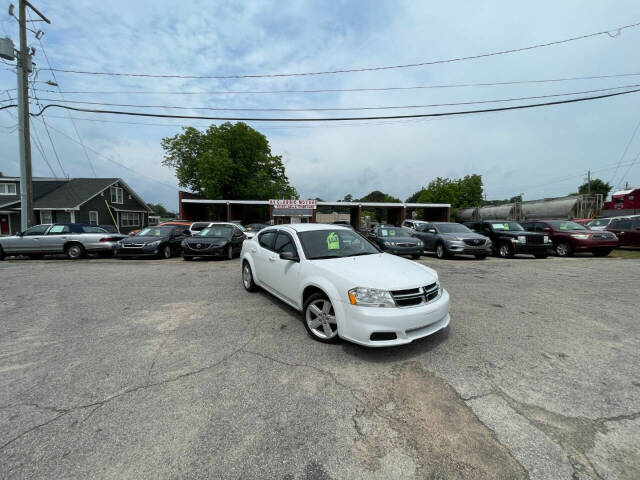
<point>505,250</point>
<point>441,251</point>
<point>564,249</point>
<point>541,255</point>
<point>2,254</point>
<point>247,278</point>
<point>229,252</point>
<point>318,319</point>
<point>602,252</point>
<point>415,256</point>
<point>480,257</point>
<point>75,251</point>
<point>165,252</point>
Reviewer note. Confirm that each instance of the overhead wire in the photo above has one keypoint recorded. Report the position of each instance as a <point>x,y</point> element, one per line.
<point>340,90</point>
<point>336,119</point>
<point>336,109</point>
<point>624,153</point>
<point>618,31</point>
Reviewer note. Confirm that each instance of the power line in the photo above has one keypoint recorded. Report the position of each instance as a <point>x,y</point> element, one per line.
<point>618,31</point>
<point>333,119</point>
<point>75,127</point>
<point>36,141</point>
<point>338,90</point>
<point>633,135</point>
<point>99,155</point>
<point>334,109</point>
<point>629,169</point>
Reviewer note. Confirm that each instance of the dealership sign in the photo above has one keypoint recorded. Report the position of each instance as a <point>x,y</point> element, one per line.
<point>295,204</point>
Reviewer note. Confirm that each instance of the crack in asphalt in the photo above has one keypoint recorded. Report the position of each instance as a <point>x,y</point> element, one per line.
<point>65,411</point>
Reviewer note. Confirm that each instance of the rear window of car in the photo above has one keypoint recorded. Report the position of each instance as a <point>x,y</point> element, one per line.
<point>58,229</point>
<point>622,224</point>
<point>266,239</point>
<point>89,229</point>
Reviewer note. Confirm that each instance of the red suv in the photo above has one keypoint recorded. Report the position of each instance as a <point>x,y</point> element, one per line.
<point>627,229</point>
<point>570,237</point>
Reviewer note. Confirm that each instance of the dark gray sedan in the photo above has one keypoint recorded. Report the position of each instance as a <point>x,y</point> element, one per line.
<point>396,240</point>
<point>447,239</point>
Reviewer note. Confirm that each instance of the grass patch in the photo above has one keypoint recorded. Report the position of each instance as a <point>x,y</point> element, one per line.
<point>626,253</point>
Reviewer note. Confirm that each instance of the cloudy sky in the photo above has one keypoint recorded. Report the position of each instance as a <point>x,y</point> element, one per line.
<point>540,152</point>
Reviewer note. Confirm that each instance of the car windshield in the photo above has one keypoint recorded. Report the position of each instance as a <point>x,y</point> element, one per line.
<point>241,227</point>
<point>562,226</point>
<point>338,243</point>
<point>220,231</point>
<point>154,232</point>
<point>393,232</point>
<point>506,226</point>
<point>198,226</point>
<point>599,223</point>
<point>452,228</point>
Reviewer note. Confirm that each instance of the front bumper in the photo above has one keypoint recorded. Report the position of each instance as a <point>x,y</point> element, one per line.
<point>461,248</point>
<point>408,323</point>
<point>100,247</point>
<point>136,252</point>
<point>395,250</point>
<point>217,251</point>
<point>537,249</point>
<point>590,245</point>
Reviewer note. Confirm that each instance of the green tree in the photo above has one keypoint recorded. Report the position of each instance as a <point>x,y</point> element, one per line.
<point>348,198</point>
<point>460,193</point>
<point>230,161</point>
<point>159,209</point>
<point>597,186</point>
<point>380,214</point>
<point>414,198</point>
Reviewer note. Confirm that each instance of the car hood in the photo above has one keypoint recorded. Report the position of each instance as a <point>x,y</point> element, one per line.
<point>145,239</point>
<point>382,270</point>
<point>464,235</point>
<point>214,240</point>
<point>400,239</point>
<point>515,233</point>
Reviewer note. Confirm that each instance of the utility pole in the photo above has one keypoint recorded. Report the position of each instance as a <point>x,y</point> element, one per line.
<point>589,182</point>
<point>24,66</point>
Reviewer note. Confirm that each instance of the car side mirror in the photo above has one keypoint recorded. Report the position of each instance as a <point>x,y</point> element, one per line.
<point>289,256</point>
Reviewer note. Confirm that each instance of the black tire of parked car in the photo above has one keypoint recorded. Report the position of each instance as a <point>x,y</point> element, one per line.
<point>602,252</point>
<point>564,249</point>
<point>75,251</point>
<point>415,256</point>
<point>480,257</point>
<point>312,298</point>
<point>441,251</point>
<point>247,278</point>
<point>165,251</point>
<point>229,252</point>
<point>2,255</point>
<point>541,255</point>
<point>505,250</point>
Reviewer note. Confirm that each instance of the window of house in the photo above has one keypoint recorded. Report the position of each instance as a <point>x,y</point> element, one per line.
<point>8,188</point>
<point>45,216</point>
<point>93,218</point>
<point>129,219</point>
<point>117,195</point>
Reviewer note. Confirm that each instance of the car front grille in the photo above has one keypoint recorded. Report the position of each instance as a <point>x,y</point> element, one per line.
<point>603,236</point>
<point>416,296</point>
<point>407,244</point>
<point>198,246</point>
<point>535,239</point>
<point>132,245</point>
<point>474,242</point>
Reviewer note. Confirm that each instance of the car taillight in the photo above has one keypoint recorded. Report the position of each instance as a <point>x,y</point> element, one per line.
<point>109,239</point>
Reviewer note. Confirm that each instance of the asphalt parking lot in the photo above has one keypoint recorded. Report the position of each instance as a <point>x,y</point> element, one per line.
<point>168,369</point>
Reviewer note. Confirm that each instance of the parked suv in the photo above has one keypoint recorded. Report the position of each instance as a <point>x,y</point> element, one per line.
<point>569,237</point>
<point>509,238</point>
<point>413,224</point>
<point>448,239</point>
<point>627,229</point>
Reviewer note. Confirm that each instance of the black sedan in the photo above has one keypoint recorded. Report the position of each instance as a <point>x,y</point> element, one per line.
<point>397,241</point>
<point>217,240</point>
<point>160,242</point>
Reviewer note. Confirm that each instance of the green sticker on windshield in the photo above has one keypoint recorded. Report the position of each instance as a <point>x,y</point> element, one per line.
<point>333,242</point>
<point>506,226</point>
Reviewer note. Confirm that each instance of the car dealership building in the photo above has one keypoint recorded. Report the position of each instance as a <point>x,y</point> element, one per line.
<point>194,207</point>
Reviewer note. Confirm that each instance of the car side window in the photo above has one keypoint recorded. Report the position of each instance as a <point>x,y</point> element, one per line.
<point>284,243</point>
<point>540,226</point>
<point>58,230</point>
<point>266,239</point>
<point>623,224</point>
<point>37,230</point>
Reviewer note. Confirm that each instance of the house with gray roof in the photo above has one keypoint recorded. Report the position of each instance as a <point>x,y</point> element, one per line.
<point>97,201</point>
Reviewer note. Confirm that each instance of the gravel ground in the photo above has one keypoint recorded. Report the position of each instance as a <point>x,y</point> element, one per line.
<point>167,369</point>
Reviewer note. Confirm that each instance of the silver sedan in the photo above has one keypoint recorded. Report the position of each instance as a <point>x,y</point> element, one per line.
<point>73,239</point>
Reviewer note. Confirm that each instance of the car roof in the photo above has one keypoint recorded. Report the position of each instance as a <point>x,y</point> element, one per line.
<point>307,227</point>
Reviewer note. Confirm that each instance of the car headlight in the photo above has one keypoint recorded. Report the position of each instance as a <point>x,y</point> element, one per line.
<point>580,236</point>
<point>390,244</point>
<point>546,239</point>
<point>153,244</point>
<point>522,239</point>
<point>370,297</point>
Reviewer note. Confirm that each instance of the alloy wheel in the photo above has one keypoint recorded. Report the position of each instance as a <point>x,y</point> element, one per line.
<point>74,251</point>
<point>166,252</point>
<point>440,251</point>
<point>321,319</point>
<point>230,253</point>
<point>504,251</point>
<point>562,249</point>
<point>246,276</point>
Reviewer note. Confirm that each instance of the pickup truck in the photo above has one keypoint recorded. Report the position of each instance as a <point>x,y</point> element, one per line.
<point>509,238</point>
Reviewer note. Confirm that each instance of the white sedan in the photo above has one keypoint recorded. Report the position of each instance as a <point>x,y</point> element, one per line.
<point>344,286</point>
